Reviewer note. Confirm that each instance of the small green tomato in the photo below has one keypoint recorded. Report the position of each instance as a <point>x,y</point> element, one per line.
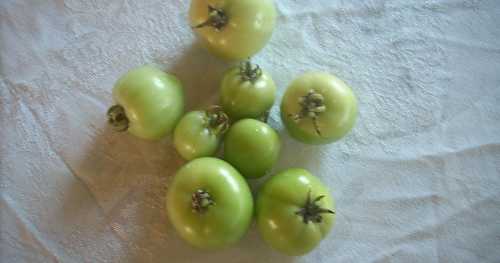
<point>198,133</point>
<point>247,92</point>
<point>295,211</point>
<point>149,103</point>
<point>318,108</point>
<point>209,203</point>
<point>252,147</point>
<point>233,29</point>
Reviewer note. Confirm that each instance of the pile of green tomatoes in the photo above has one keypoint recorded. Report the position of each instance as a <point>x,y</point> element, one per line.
<point>209,202</point>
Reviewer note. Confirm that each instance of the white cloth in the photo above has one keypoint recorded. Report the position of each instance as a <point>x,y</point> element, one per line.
<point>417,180</point>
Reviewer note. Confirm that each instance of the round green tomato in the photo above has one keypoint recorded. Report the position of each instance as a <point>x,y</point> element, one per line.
<point>233,29</point>
<point>149,103</point>
<point>252,147</point>
<point>318,108</point>
<point>247,92</point>
<point>295,211</point>
<point>209,203</point>
<point>198,133</point>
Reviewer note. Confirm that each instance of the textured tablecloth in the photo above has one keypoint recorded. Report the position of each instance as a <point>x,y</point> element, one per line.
<point>417,180</point>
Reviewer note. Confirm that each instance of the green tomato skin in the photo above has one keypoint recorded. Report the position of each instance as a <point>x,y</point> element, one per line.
<point>153,101</point>
<point>277,203</point>
<point>227,220</point>
<point>334,123</point>
<point>252,147</point>
<point>250,26</point>
<point>193,137</point>
<point>243,99</point>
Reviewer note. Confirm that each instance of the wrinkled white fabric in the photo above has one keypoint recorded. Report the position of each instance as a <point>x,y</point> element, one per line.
<point>417,180</point>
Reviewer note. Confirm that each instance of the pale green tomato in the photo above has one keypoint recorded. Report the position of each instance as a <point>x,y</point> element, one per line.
<point>318,108</point>
<point>198,133</point>
<point>149,102</point>
<point>295,211</point>
<point>233,29</point>
<point>247,92</point>
<point>209,203</point>
<point>252,147</point>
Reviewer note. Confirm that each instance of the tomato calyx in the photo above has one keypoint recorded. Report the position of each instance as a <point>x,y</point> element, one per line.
<point>250,72</point>
<point>117,118</point>
<point>312,212</point>
<point>217,120</point>
<point>217,18</point>
<point>201,201</point>
<point>312,106</point>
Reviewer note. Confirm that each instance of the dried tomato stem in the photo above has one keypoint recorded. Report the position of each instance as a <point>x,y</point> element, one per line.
<point>217,120</point>
<point>117,118</point>
<point>312,105</point>
<point>312,212</point>
<point>201,201</point>
<point>250,72</point>
<point>217,18</point>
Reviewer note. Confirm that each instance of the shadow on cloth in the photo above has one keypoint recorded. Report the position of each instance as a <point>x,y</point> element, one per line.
<point>200,74</point>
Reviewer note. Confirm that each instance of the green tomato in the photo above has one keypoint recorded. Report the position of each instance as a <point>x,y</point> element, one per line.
<point>149,103</point>
<point>233,29</point>
<point>198,133</point>
<point>209,203</point>
<point>295,211</point>
<point>252,147</point>
<point>318,108</point>
<point>247,92</point>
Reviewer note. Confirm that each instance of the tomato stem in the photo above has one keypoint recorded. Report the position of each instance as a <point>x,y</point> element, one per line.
<point>217,120</point>
<point>117,118</point>
<point>312,104</point>
<point>217,18</point>
<point>311,212</point>
<point>201,201</point>
<point>250,72</point>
